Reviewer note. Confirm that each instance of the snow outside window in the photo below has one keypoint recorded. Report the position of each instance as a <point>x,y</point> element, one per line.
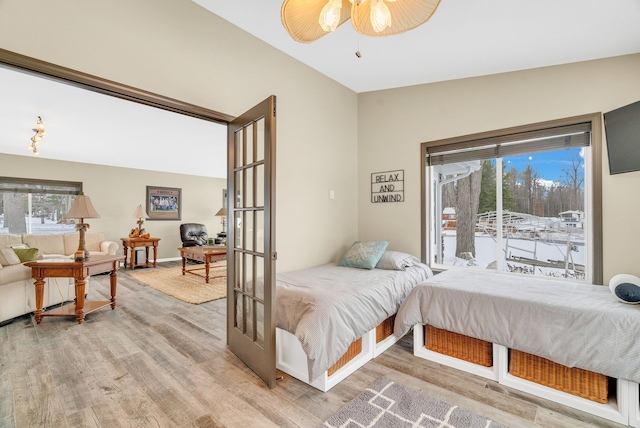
<point>36,206</point>
<point>517,203</point>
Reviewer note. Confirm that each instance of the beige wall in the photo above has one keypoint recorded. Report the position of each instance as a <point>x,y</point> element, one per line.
<point>178,49</point>
<point>116,192</point>
<point>393,123</point>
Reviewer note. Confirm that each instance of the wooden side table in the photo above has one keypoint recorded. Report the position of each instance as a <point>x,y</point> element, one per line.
<point>41,269</point>
<point>133,243</point>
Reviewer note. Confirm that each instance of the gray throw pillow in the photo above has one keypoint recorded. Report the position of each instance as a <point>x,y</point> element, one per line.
<point>396,260</point>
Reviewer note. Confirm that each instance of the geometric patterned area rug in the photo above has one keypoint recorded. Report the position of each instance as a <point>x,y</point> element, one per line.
<point>387,404</point>
<point>189,288</point>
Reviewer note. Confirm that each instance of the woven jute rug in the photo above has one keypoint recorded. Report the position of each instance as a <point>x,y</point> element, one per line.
<point>189,288</point>
<point>389,404</point>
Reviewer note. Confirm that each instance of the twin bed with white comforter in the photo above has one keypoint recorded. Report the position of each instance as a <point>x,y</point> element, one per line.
<point>332,319</point>
<point>575,334</point>
<point>576,325</point>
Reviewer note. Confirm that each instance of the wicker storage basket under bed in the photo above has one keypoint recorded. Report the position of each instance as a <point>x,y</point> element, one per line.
<point>353,351</point>
<point>583,383</point>
<point>459,346</point>
<point>385,329</point>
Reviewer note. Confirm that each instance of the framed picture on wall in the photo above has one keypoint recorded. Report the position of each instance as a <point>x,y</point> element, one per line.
<point>164,203</point>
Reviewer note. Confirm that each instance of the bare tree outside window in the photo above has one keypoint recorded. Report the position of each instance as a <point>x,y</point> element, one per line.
<point>13,213</point>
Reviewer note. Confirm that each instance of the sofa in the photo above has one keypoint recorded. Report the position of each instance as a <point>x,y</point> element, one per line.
<point>17,293</point>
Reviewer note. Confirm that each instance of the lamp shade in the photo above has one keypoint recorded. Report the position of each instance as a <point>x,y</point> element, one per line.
<point>222,212</point>
<point>82,208</point>
<point>140,212</point>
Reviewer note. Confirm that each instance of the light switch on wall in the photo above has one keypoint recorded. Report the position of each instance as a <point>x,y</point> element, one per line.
<point>332,194</point>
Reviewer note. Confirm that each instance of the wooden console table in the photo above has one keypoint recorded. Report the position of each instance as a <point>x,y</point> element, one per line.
<point>204,254</point>
<point>41,269</point>
<point>133,243</point>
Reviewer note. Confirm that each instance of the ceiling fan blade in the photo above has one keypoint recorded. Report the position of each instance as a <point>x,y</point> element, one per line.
<point>405,15</point>
<point>300,18</point>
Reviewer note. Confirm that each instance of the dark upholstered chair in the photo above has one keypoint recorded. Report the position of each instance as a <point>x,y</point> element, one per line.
<point>193,234</point>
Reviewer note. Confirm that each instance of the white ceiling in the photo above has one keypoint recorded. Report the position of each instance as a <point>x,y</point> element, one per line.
<point>85,126</point>
<point>462,39</point>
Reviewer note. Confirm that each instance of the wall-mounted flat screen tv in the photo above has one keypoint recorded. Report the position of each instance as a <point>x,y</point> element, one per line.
<point>622,127</point>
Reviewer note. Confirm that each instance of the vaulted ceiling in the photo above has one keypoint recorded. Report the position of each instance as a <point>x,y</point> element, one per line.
<point>462,39</point>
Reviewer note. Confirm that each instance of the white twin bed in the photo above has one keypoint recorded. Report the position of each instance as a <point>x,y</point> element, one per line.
<point>335,314</point>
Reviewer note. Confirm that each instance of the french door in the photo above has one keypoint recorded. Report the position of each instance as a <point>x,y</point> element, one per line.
<point>251,329</point>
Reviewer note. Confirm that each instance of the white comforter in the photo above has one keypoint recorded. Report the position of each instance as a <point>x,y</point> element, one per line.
<point>328,307</point>
<point>575,325</point>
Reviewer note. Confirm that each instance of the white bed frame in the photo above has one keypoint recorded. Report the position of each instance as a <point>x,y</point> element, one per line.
<point>634,404</point>
<point>623,408</point>
<point>291,359</point>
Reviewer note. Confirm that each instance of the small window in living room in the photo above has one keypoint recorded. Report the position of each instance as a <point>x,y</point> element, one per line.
<point>36,206</point>
<point>524,200</point>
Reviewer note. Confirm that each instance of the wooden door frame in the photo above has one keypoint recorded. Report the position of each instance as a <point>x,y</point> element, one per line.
<point>100,85</point>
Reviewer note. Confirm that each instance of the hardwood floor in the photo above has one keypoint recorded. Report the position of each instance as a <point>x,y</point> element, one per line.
<point>158,362</point>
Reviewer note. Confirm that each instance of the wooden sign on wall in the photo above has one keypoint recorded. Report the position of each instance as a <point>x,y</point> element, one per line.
<point>387,186</point>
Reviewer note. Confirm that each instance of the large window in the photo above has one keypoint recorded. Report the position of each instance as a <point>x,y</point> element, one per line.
<point>36,206</point>
<point>523,200</point>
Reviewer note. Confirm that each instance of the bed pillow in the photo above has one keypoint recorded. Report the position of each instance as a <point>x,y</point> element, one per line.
<point>396,260</point>
<point>363,254</point>
<point>8,257</point>
<point>26,254</point>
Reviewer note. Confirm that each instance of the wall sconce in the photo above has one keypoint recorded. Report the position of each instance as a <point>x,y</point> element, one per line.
<point>35,140</point>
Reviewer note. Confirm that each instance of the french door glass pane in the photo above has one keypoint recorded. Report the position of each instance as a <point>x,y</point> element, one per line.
<point>259,225</point>
<point>259,186</point>
<point>239,149</point>
<point>260,139</point>
<point>249,187</point>
<point>259,316</point>
<point>248,274</point>
<point>239,227</point>
<point>248,312</point>
<point>239,193</point>
<point>248,230</point>
<point>259,277</point>
<point>249,145</point>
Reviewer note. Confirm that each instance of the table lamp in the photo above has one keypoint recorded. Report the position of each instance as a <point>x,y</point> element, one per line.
<point>140,213</point>
<point>81,209</point>
<point>222,212</point>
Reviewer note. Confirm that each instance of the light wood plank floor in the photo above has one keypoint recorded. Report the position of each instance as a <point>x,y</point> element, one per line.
<point>158,362</point>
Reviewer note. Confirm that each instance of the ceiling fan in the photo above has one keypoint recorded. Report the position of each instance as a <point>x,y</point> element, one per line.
<point>309,20</point>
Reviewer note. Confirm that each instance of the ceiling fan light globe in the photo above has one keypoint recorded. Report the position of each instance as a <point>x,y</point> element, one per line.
<point>380,16</point>
<point>330,15</point>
